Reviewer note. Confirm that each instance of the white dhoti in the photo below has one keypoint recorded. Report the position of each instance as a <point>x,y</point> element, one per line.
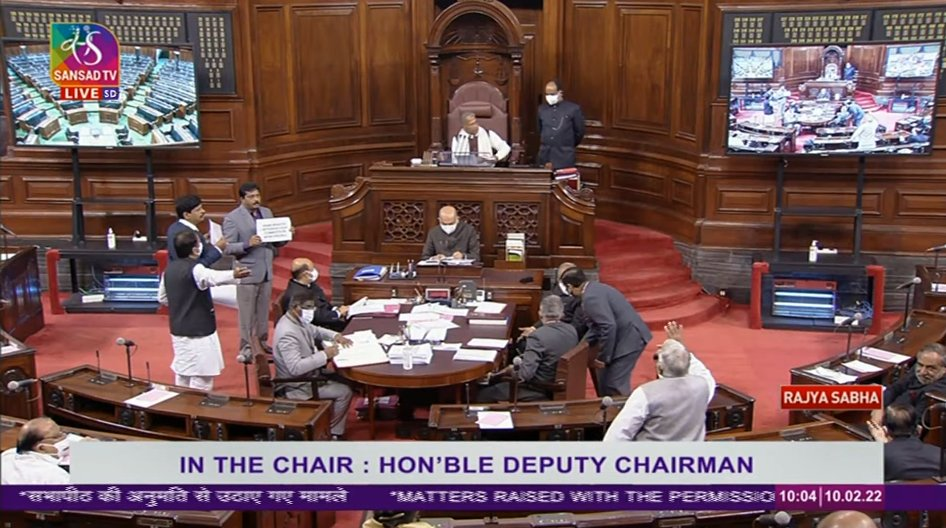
<point>197,360</point>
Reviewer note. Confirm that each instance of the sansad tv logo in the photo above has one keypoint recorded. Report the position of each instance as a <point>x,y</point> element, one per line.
<point>84,61</point>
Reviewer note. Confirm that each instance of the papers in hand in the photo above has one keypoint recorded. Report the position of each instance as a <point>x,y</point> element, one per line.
<point>494,420</point>
<point>483,342</point>
<point>474,354</point>
<point>364,350</point>
<point>489,307</point>
<point>860,366</point>
<point>277,229</point>
<point>151,398</point>
<point>420,354</point>
<point>883,355</point>
<point>832,375</point>
<point>216,232</point>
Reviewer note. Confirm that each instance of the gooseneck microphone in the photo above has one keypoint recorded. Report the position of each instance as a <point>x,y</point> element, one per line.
<point>906,305</point>
<point>17,385</point>
<point>121,341</point>
<point>245,360</point>
<point>606,402</point>
<point>127,343</point>
<point>774,519</point>
<point>514,385</point>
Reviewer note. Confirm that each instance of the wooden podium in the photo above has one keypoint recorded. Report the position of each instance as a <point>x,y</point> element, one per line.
<point>930,294</point>
<point>21,303</point>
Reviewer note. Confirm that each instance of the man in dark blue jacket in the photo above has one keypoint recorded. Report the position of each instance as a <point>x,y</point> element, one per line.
<point>190,214</point>
<point>561,129</point>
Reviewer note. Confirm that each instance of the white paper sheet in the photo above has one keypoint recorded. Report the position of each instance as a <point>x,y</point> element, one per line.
<point>418,317</point>
<point>440,309</point>
<point>436,324</point>
<point>832,375</point>
<point>474,354</point>
<point>8,349</point>
<point>883,355</point>
<point>488,322</point>
<point>494,420</point>
<point>277,229</point>
<point>216,231</point>
<point>366,306</point>
<point>489,307</point>
<point>447,347</point>
<point>862,367</point>
<point>938,287</point>
<point>483,342</point>
<point>365,350</point>
<point>389,339</point>
<point>151,398</point>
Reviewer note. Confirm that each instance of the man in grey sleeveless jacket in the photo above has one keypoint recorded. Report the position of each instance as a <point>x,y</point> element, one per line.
<point>672,407</point>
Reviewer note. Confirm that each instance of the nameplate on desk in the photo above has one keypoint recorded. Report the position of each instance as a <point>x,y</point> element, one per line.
<point>104,378</point>
<point>281,408</point>
<point>553,408</point>
<point>215,400</point>
<point>938,287</point>
<point>93,298</point>
<point>795,436</point>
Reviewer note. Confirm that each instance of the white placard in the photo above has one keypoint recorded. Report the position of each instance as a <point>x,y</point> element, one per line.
<point>277,229</point>
<point>216,231</point>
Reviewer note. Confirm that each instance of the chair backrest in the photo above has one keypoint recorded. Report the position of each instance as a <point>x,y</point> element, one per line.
<point>275,308</point>
<point>264,374</point>
<point>485,101</point>
<point>592,356</point>
<point>571,371</point>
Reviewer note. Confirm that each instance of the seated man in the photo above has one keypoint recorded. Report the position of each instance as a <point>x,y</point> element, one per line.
<point>453,238</point>
<point>304,275</point>
<point>847,519</point>
<point>35,459</point>
<point>544,347</point>
<point>474,139</point>
<point>928,374</point>
<point>672,407</point>
<point>906,457</point>
<point>573,313</point>
<point>298,352</point>
<point>395,519</point>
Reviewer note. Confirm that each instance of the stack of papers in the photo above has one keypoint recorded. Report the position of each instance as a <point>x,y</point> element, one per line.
<point>420,354</point>
<point>883,355</point>
<point>832,375</point>
<point>494,420</point>
<point>151,398</point>
<point>447,347</point>
<point>9,349</point>
<point>449,261</point>
<point>422,316</point>
<point>938,287</point>
<point>475,354</point>
<point>488,322</point>
<point>482,342</point>
<point>440,309</point>
<point>489,307</point>
<point>365,350</point>
<point>365,306</point>
<point>860,366</point>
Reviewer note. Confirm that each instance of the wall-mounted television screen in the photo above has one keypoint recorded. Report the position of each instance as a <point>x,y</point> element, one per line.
<point>156,103</point>
<point>855,99</point>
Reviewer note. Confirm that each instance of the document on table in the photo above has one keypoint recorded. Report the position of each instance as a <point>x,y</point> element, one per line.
<point>9,349</point>
<point>447,347</point>
<point>151,398</point>
<point>277,229</point>
<point>483,342</point>
<point>389,339</point>
<point>938,287</point>
<point>423,316</point>
<point>489,307</point>
<point>216,231</point>
<point>440,309</point>
<point>832,375</point>
<point>364,350</point>
<point>366,306</point>
<point>860,366</point>
<point>488,322</point>
<point>883,355</point>
<point>494,420</point>
<point>475,354</point>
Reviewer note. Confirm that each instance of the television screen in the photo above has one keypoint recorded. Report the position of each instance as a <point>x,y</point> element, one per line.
<point>154,103</point>
<point>854,99</point>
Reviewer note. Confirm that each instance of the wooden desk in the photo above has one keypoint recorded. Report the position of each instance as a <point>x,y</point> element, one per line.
<point>18,365</point>
<point>924,298</point>
<point>385,216</point>
<point>70,397</point>
<point>19,285</point>
<point>506,286</point>
<point>923,328</point>
<point>623,519</point>
<point>935,431</point>
<point>829,429</point>
<point>729,411</point>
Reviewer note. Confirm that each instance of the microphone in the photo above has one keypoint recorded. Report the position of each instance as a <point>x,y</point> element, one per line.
<point>121,341</point>
<point>774,519</point>
<point>606,402</point>
<point>245,360</point>
<point>466,387</point>
<point>514,386</point>
<point>148,371</point>
<point>127,343</point>
<point>911,282</point>
<point>936,249</point>
<point>516,363</point>
<point>16,385</point>
<point>98,363</point>
<point>858,316</point>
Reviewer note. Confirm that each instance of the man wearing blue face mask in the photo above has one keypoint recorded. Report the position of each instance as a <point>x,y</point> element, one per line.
<point>35,459</point>
<point>299,352</point>
<point>453,238</point>
<point>304,277</point>
<point>561,129</point>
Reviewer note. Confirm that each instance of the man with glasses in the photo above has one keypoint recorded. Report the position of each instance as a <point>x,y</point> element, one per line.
<point>928,375</point>
<point>36,457</point>
<point>452,239</point>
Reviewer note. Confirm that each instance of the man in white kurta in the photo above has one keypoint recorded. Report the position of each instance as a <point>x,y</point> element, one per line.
<point>185,289</point>
<point>865,135</point>
<point>474,139</point>
<point>35,459</point>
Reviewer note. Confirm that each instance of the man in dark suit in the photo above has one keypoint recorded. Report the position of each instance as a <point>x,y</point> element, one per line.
<point>615,326</point>
<point>190,214</point>
<point>544,347</point>
<point>561,129</point>
<point>906,457</point>
<point>928,374</point>
<point>304,275</point>
<point>254,292</point>
<point>573,314</point>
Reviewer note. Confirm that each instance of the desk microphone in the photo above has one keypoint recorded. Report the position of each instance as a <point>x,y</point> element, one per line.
<point>466,387</point>
<point>606,402</point>
<point>774,519</point>
<point>16,385</point>
<point>148,372</point>
<point>121,341</point>
<point>850,322</point>
<point>936,249</point>
<point>98,364</point>
<point>906,305</point>
<point>245,359</point>
<point>514,386</point>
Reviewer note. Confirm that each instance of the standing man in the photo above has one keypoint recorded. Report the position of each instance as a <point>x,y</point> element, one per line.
<point>452,238</point>
<point>185,289</point>
<point>254,292</point>
<point>474,139</point>
<point>615,326</point>
<point>561,128</point>
<point>304,275</point>
<point>190,214</point>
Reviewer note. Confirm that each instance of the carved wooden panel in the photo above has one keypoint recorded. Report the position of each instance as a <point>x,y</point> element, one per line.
<point>469,212</point>
<point>642,100</point>
<point>388,43</point>
<point>322,179</point>
<point>404,221</point>
<point>326,66</point>
<point>217,191</point>
<point>741,201</point>
<point>277,186</point>
<point>930,204</point>
<point>41,189</point>
<point>130,188</point>
<point>517,217</point>
<point>872,200</point>
<point>682,192</point>
<point>638,181</point>
<point>688,44</point>
<point>584,77</point>
<point>6,189</point>
<point>272,77</point>
<point>216,125</point>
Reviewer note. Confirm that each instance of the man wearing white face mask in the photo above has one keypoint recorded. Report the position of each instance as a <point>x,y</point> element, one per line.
<point>474,139</point>
<point>453,238</point>
<point>35,459</point>
<point>185,289</point>
<point>561,129</point>
<point>304,277</point>
<point>298,352</point>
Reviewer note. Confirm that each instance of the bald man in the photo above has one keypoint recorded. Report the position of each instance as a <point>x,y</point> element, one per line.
<point>847,519</point>
<point>453,238</point>
<point>304,275</point>
<point>573,313</point>
<point>35,459</point>
<point>474,139</point>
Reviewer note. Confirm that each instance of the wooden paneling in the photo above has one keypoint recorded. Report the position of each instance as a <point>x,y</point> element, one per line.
<point>216,191</point>
<point>326,66</point>
<point>278,186</point>
<point>686,99</point>
<point>271,56</point>
<point>838,197</point>
<point>322,179</point>
<point>585,37</point>
<point>642,96</point>
<point>43,190</point>
<point>921,204</point>
<point>388,45</point>
<point>642,183</point>
<point>6,189</point>
<point>744,201</point>
<point>216,125</point>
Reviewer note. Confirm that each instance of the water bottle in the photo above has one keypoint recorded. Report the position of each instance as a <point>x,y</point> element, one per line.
<point>408,363</point>
<point>110,238</point>
<point>813,251</point>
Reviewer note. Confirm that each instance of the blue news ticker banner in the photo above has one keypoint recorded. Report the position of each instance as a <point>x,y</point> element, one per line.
<point>473,497</point>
